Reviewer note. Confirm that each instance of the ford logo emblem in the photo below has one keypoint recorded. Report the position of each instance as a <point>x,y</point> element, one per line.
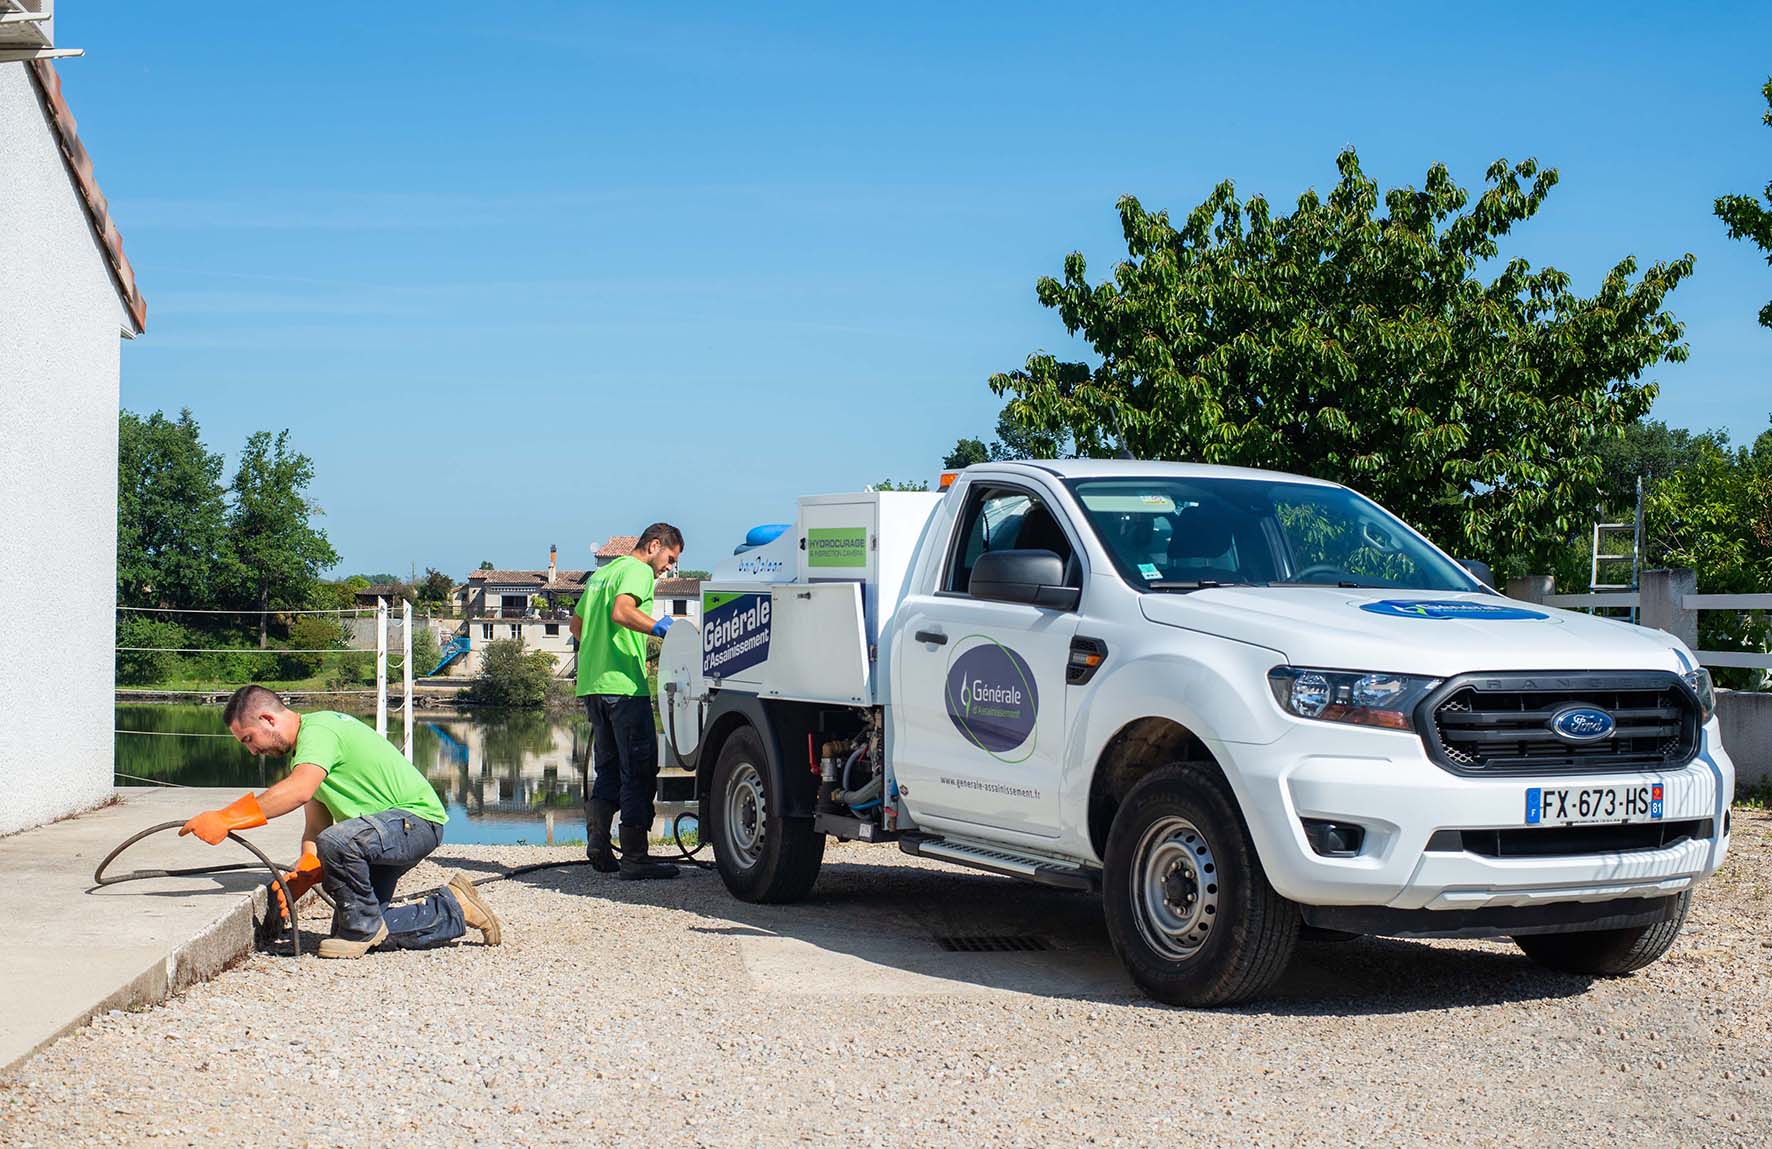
<point>1582,724</point>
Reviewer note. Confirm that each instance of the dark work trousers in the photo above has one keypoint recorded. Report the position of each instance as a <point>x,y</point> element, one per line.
<point>363,859</point>
<point>624,749</point>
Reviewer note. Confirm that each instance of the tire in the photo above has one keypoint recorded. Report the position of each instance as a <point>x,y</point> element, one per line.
<point>1189,908</point>
<point>761,856</point>
<point>1606,953</point>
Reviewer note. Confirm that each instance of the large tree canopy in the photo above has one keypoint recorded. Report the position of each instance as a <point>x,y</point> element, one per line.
<point>172,546</point>
<point>1746,218</point>
<point>280,552</point>
<point>1361,345</point>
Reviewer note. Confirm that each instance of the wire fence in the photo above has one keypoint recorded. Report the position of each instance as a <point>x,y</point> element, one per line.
<point>385,660</point>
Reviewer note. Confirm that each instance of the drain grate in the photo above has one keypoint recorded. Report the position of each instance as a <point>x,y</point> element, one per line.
<point>992,943</point>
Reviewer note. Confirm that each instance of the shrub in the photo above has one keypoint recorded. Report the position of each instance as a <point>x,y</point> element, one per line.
<point>425,651</point>
<point>513,676</point>
<point>144,668</point>
<point>310,632</point>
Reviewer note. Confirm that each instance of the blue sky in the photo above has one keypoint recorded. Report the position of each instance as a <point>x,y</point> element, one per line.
<point>529,274</point>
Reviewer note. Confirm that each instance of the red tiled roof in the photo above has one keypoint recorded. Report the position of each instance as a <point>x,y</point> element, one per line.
<point>535,577</point>
<point>617,546</point>
<point>676,588</point>
<point>97,210</point>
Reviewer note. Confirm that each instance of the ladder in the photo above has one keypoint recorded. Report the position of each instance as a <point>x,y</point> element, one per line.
<point>1611,564</point>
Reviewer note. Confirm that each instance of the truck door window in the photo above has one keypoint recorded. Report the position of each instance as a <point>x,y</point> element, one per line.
<point>1000,519</point>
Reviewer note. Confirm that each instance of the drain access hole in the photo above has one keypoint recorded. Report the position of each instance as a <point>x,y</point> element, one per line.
<point>992,943</point>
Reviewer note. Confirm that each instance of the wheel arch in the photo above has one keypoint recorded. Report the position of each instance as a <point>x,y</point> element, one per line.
<point>780,728</point>
<point>1137,748</point>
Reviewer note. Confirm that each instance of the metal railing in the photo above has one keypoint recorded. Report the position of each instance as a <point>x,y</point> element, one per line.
<point>1668,600</point>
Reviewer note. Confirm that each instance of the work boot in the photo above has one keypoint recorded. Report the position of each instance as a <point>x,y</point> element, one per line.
<point>351,947</point>
<point>599,816</point>
<point>474,911</point>
<point>636,863</point>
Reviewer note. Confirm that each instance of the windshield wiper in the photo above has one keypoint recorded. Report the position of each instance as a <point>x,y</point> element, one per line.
<point>1343,584</point>
<point>1190,584</point>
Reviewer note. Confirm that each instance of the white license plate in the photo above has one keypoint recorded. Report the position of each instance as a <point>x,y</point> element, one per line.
<point>1577,805</point>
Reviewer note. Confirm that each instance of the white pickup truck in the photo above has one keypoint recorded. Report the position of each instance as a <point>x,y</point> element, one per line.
<point>1241,705</point>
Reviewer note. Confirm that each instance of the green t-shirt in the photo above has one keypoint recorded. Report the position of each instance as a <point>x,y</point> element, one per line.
<point>365,773</point>
<point>611,658</point>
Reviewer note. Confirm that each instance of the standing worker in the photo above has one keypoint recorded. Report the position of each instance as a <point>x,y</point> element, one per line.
<point>371,817</point>
<point>611,623</point>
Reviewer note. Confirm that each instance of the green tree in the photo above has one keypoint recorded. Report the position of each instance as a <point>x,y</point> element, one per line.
<point>513,676</point>
<point>486,565</point>
<point>1650,449</point>
<point>691,572</point>
<point>279,552</point>
<point>1714,514</point>
<point>171,534</point>
<point>1359,344</point>
<point>965,453</point>
<point>891,485</point>
<point>1746,218</point>
<point>435,587</point>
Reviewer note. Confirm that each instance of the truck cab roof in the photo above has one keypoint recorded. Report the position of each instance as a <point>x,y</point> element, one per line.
<point>1134,468</point>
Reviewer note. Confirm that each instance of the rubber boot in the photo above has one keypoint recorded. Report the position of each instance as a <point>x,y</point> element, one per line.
<point>599,816</point>
<point>636,863</point>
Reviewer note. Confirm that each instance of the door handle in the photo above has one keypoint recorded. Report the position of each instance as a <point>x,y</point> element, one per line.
<point>934,636</point>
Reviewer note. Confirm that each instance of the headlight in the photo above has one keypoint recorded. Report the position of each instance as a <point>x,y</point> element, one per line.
<point>1704,690</point>
<point>1364,698</point>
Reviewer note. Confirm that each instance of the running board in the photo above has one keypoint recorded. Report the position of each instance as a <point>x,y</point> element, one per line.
<point>1003,860</point>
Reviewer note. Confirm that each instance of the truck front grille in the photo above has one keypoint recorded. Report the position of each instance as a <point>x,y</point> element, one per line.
<point>1490,724</point>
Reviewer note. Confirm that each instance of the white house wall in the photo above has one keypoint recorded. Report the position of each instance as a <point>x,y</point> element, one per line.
<point>60,324</point>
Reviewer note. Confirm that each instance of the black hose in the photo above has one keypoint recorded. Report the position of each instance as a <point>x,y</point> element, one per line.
<point>99,879</point>
<point>687,857</point>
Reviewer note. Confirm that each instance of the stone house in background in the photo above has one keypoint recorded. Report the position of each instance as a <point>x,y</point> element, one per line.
<point>67,298</point>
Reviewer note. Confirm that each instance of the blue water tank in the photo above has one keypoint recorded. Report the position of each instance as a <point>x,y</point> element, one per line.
<point>767,533</point>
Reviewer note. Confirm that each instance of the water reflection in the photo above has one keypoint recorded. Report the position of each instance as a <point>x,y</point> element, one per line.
<point>504,777</point>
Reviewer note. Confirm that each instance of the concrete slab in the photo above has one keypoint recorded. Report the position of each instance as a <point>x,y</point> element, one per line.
<point>72,950</point>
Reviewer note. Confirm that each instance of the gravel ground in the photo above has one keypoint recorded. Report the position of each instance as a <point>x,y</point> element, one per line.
<point>631,1013</point>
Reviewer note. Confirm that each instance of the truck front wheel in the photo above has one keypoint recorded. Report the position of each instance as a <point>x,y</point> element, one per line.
<point>762,856</point>
<point>1605,953</point>
<point>1189,908</point>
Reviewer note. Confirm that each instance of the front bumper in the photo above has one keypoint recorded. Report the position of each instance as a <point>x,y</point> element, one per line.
<point>1384,781</point>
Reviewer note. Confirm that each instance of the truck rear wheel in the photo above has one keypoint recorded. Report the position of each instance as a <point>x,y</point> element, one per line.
<point>762,856</point>
<point>1605,953</point>
<point>1189,908</point>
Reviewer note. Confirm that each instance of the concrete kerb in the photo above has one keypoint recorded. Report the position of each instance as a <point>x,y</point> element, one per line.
<point>72,951</point>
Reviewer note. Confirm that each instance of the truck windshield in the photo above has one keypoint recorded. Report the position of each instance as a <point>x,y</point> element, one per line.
<point>1180,534</point>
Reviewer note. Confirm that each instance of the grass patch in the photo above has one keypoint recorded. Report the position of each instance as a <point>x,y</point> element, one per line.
<point>1754,797</point>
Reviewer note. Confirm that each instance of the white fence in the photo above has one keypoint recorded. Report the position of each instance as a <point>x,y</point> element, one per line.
<point>1667,600</point>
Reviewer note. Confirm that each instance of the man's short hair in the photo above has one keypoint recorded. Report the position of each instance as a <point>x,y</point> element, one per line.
<point>249,702</point>
<point>663,533</point>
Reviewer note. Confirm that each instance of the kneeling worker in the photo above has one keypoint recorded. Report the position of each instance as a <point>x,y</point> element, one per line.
<point>371,817</point>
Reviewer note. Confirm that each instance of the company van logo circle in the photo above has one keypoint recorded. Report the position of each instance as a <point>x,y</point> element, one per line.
<point>1582,724</point>
<point>1448,608</point>
<point>992,699</point>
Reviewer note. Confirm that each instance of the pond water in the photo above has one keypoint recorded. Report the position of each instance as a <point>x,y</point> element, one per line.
<point>501,774</point>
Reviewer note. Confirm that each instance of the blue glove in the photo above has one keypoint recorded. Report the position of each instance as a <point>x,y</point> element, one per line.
<point>662,625</point>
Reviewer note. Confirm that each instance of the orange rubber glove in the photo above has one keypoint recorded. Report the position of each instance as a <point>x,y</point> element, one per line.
<point>213,825</point>
<point>300,880</point>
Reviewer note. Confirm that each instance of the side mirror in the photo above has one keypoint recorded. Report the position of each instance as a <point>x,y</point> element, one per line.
<point>1033,577</point>
<point>1481,570</point>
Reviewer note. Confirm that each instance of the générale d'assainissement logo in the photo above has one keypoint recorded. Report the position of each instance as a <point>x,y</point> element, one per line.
<point>992,699</point>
